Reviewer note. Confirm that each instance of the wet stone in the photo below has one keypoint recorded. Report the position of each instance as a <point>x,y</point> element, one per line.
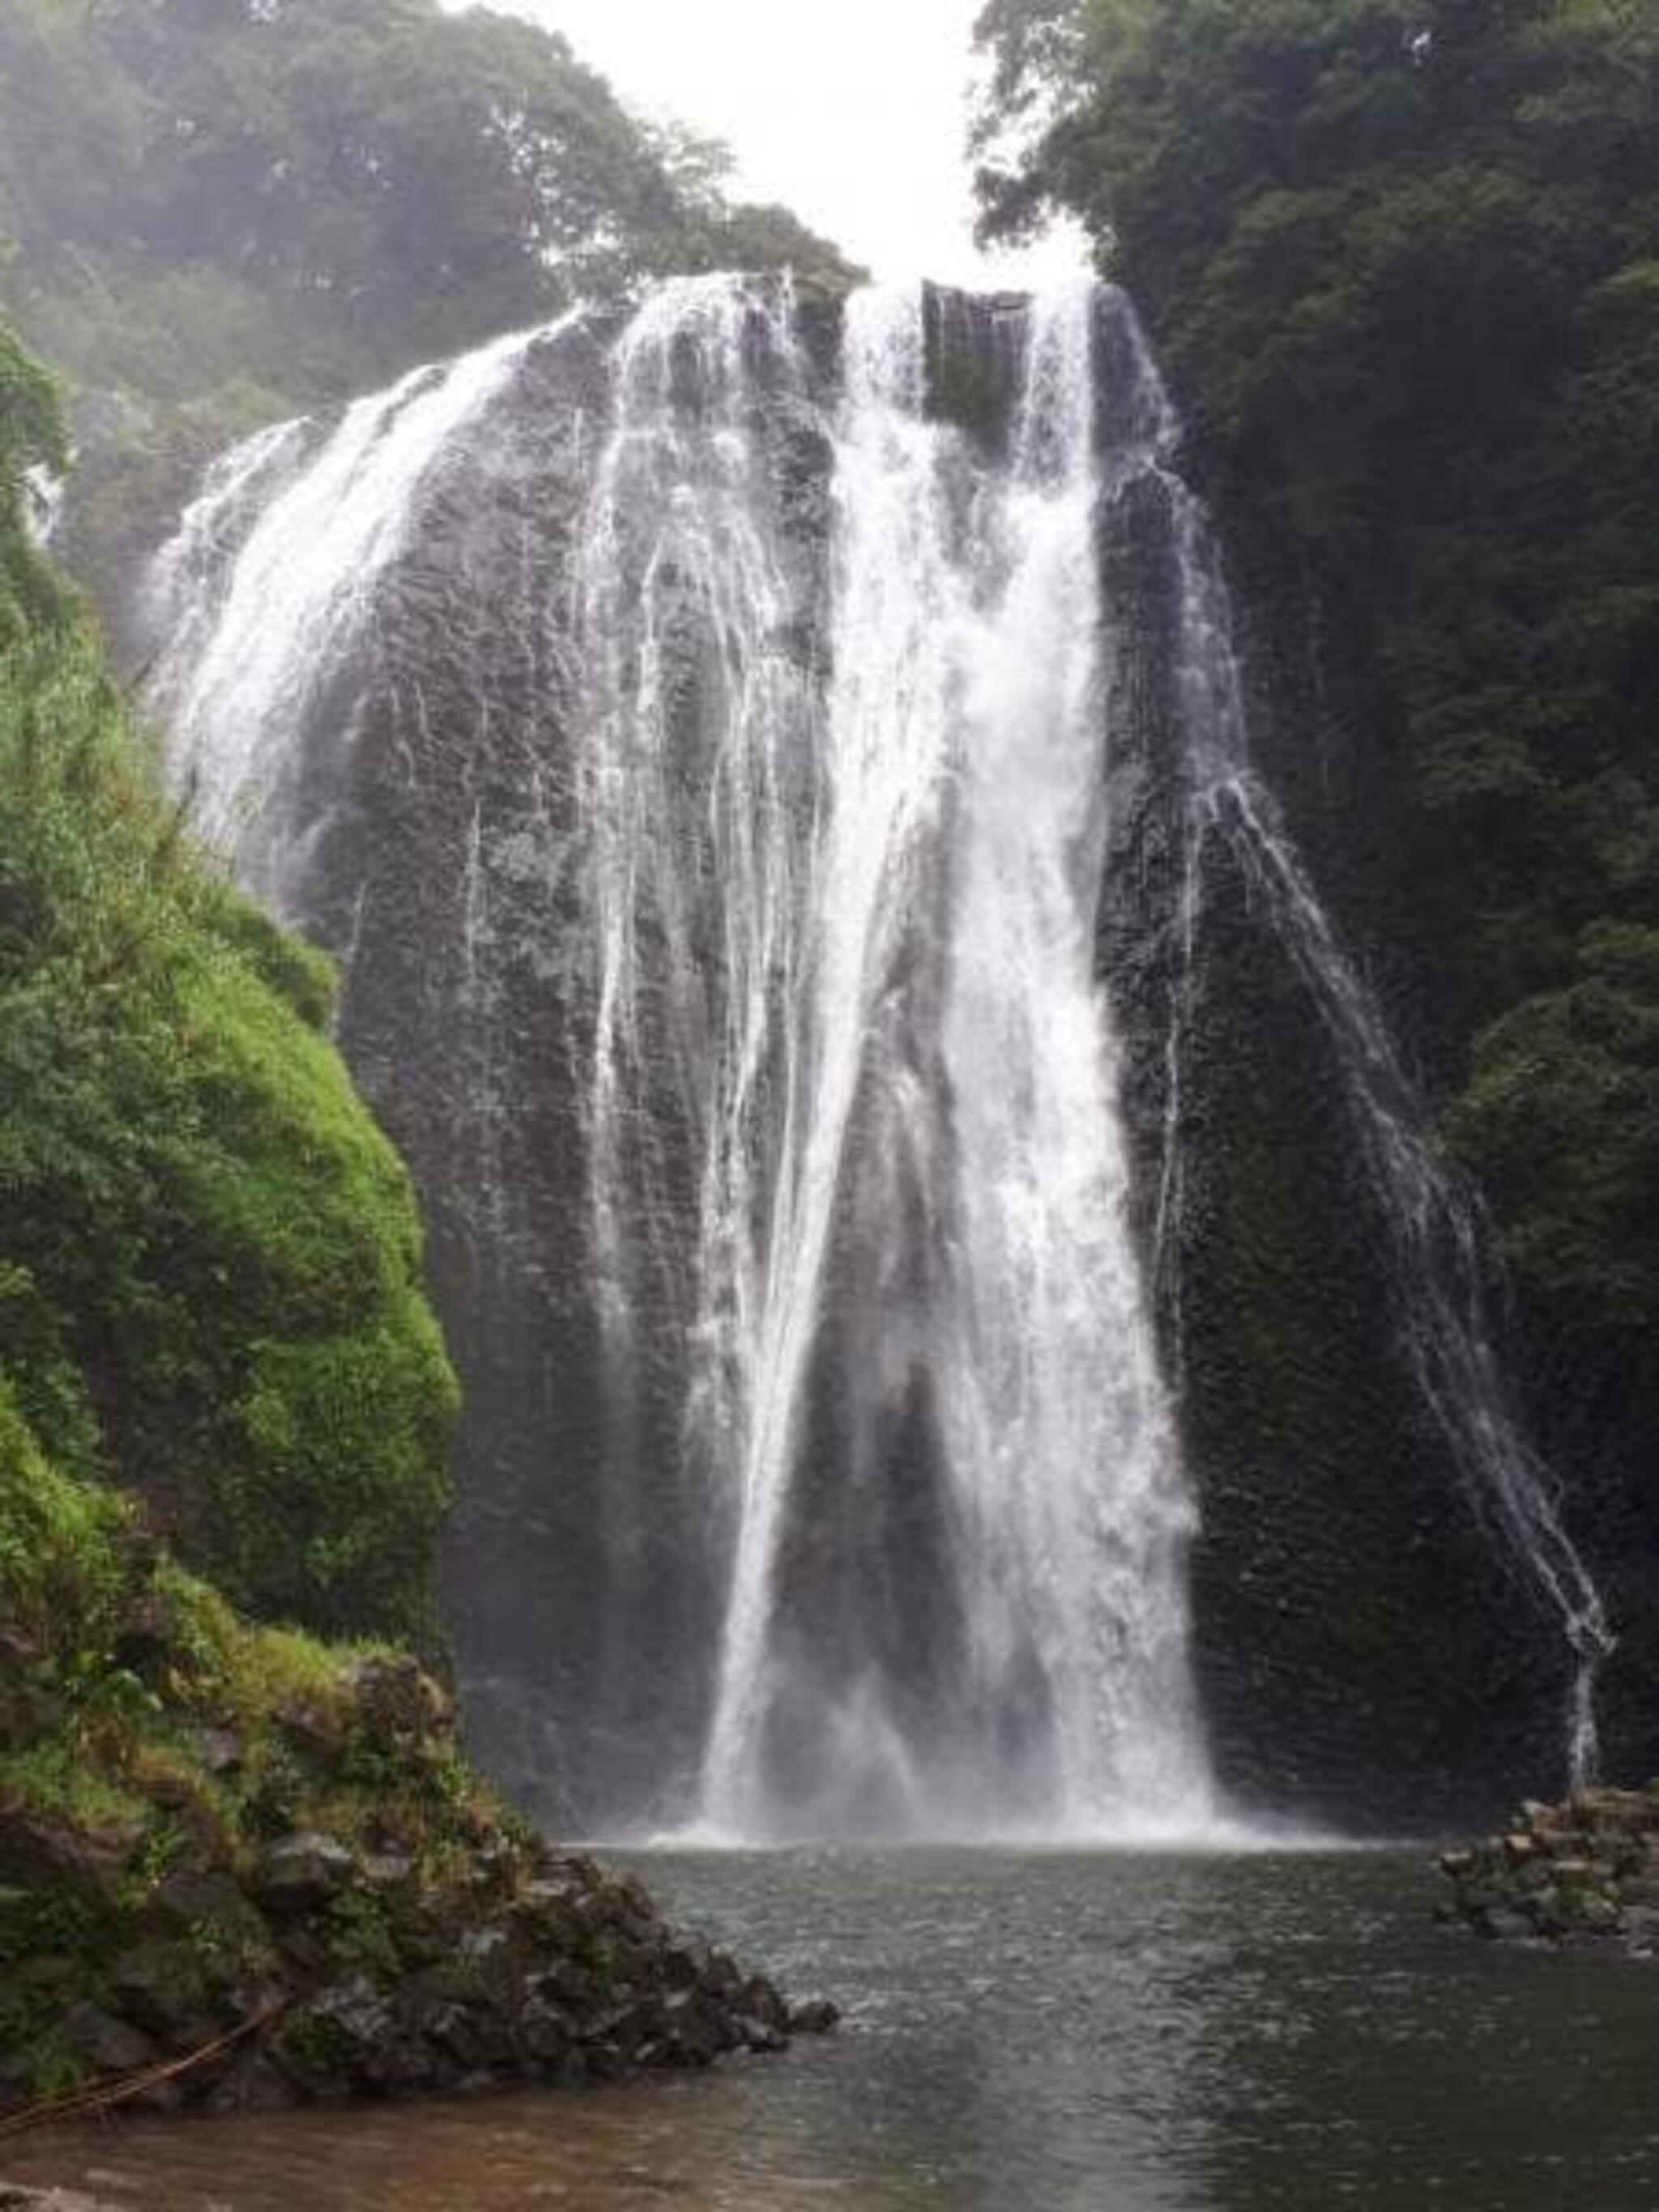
<point>1582,1874</point>
<point>304,1872</point>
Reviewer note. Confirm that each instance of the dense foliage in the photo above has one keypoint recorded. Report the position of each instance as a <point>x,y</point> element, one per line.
<point>1402,256</point>
<point>152,1747</point>
<point>209,1261</point>
<point>316,193</point>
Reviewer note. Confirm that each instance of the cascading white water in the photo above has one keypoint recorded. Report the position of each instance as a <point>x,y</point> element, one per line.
<point>763,942</point>
<point>43,505</point>
<point>269,581</point>
<point>698,747</point>
<point>1076,1510</point>
<point>880,786</point>
<point>1436,1262</point>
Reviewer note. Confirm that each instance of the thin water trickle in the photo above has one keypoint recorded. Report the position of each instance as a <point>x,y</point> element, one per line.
<point>1438,1266</point>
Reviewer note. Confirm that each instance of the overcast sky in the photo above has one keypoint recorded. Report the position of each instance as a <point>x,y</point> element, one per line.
<point>852,112</point>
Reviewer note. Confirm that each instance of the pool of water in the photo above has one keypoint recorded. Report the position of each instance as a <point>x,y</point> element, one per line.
<point>1028,2034</point>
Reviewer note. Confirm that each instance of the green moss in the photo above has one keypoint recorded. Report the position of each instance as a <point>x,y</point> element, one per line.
<point>54,2071</point>
<point>59,1555</point>
<point>45,1924</point>
<point>177,1762</point>
<point>209,1257</point>
<point>300,974</point>
<point>361,1931</point>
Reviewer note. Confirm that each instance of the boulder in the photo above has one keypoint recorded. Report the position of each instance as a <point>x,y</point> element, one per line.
<point>155,1985</point>
<point>106,2044</point>
<point>219,1750</point>
<point>396,1703</point>
<point>42,1855</point>
<point>191,1899</point>
<point>1505,1926</point>
<point>305,1872</point>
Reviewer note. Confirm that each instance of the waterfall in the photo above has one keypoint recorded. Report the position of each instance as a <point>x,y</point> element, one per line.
<point>1075,1504</point>
<point>698,728</point>
<point>1436,1265</point>
<point>699,737</point>
<point>854,939</point>
<point>698,771</point>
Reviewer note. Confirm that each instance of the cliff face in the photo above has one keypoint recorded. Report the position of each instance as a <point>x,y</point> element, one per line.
<point>1356,1600</point>
<point>1327,730</point>
<point>1366,1650</point>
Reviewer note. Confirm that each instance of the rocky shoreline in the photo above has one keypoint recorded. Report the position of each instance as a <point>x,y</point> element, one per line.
<point>1582,1874</point>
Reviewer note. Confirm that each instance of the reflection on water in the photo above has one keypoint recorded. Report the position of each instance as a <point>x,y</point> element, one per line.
<point>1051,2034</point>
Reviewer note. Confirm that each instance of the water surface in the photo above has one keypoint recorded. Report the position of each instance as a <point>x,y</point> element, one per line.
<point>1275,2033</point>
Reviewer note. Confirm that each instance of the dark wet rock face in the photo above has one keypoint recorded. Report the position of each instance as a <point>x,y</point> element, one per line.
<point>1358,1639</point>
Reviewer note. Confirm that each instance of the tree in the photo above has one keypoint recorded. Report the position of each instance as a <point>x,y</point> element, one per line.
<point>319,193</point>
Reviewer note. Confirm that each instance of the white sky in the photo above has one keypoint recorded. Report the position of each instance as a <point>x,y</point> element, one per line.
<point>852,112</point>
